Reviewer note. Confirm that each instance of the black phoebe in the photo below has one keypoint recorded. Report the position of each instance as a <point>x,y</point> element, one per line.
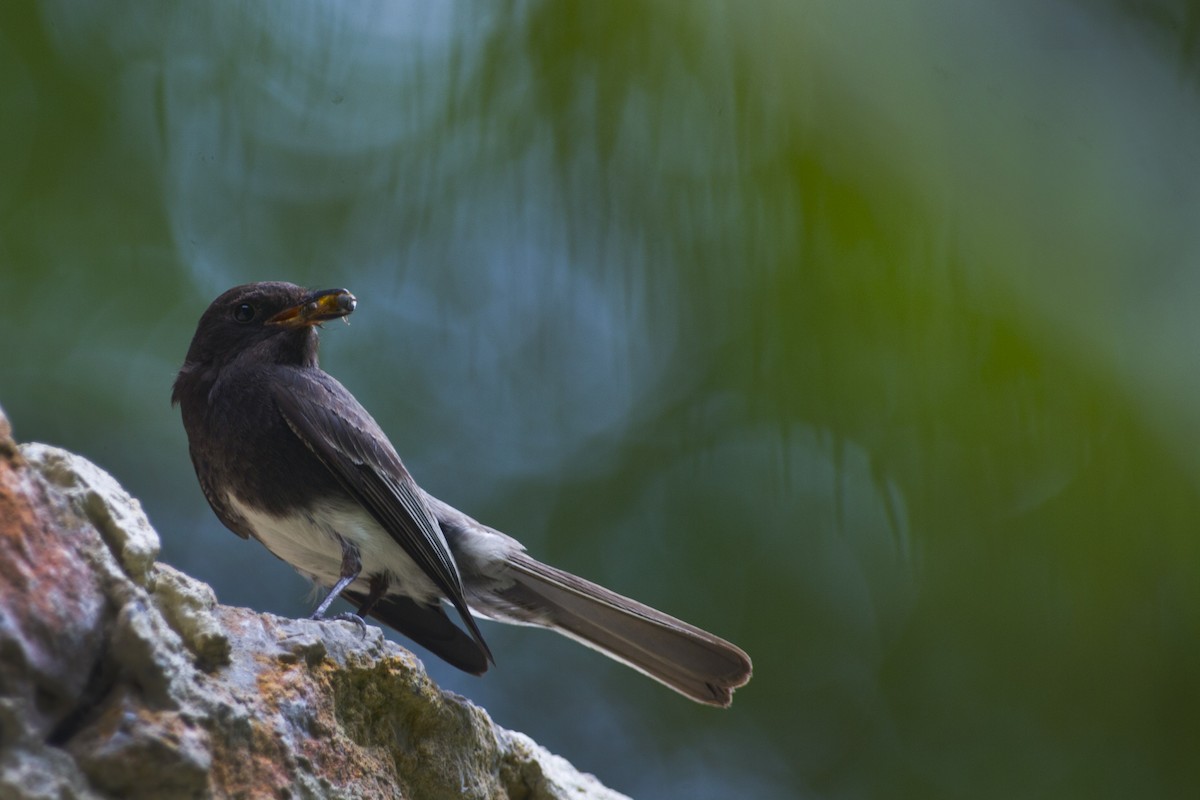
<point>286,455</point>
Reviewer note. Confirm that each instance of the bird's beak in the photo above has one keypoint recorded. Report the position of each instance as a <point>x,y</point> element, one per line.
<point>316,308</point>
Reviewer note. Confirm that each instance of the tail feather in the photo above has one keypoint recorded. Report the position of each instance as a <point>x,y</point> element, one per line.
<point>685,658</point>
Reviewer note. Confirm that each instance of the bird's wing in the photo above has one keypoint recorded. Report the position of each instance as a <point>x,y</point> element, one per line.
<point>351,445</point>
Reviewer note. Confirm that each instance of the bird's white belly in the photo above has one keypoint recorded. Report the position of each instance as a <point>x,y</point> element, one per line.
<point>309,541</point>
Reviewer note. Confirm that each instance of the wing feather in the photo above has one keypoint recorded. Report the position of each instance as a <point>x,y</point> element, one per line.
<point>351,445</point>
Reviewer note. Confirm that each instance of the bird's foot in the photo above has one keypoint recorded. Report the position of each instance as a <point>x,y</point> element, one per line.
<point>345,616</point>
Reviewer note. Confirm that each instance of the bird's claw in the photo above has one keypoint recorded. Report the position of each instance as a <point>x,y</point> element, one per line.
<point>345,616</point>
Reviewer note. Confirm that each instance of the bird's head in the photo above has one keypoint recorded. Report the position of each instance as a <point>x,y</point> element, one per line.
<point>273,322</point>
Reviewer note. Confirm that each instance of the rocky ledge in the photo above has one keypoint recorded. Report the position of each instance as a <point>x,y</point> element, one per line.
<point>122,677</point>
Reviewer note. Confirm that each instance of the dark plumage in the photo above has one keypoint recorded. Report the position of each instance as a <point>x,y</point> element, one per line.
<point>286,455</point>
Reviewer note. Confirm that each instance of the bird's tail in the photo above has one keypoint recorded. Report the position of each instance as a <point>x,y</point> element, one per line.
<point>691,661</point>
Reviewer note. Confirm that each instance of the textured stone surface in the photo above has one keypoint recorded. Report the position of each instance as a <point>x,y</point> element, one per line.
<point>123,677</point>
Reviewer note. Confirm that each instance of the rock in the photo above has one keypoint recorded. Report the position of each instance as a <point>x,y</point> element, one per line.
<point>123,677</point>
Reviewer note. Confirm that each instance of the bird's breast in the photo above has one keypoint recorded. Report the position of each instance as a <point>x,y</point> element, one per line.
<point>240,443</point>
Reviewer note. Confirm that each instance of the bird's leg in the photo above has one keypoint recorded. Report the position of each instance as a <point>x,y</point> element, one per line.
<point>351,567</point>
<point>379,585</point>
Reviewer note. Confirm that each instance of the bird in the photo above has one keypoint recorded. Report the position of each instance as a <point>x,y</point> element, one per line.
<point>286,455</point>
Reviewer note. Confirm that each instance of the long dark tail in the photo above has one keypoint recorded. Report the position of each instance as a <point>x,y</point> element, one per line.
<point>689,660</point>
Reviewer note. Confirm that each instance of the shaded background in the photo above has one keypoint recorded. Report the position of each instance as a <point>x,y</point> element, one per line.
<point>863,334</point>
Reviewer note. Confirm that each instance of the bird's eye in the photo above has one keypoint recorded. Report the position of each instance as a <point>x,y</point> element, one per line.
<point>244,312</point>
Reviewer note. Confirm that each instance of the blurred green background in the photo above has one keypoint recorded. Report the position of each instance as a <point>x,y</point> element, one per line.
<point>862,334</point>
